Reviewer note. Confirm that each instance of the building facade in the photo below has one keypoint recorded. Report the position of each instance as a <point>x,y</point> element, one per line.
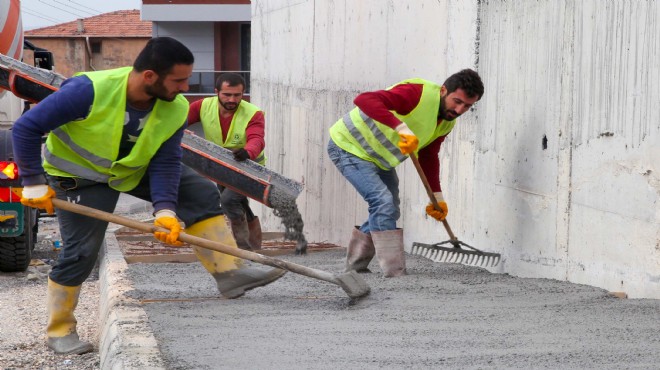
<point>217,32</point>
<point>105,41</point>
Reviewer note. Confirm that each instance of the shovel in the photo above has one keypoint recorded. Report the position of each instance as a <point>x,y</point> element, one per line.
<point>455,254</point>
<point>352,283</point>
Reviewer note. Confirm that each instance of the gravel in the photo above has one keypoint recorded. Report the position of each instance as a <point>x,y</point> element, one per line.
<point>24,318</point>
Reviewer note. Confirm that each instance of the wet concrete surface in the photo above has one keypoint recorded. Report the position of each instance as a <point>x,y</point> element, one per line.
<point>439,316</point>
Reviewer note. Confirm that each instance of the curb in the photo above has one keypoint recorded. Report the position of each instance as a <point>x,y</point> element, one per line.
<point>126,340</point>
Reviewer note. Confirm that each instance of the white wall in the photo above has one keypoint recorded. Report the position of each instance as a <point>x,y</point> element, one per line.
<point>197,36</point>
<point>581,74</point>
<point>586,208</point>
<point>10,109</point>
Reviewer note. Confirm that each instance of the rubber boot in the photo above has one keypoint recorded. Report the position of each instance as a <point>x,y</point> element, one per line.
<point>360,251</point>
<point>256,237</point>
<point>231,275</point>
<point>389,251</point>
<point>61,330</point>
<point>241,232</point>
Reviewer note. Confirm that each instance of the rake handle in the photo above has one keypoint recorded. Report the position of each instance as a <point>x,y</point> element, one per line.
<point>427,186</point>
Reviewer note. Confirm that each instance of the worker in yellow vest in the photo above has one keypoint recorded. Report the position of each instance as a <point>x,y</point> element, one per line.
<point>233,123</point>
<point>117,131</point>
<point>413,116</point>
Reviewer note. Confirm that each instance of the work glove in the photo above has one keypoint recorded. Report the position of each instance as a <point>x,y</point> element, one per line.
<point>408,142</point>
<point>167,219</point>
<point>38,196</point>
<point>241,155</point>
<point>431,211</point>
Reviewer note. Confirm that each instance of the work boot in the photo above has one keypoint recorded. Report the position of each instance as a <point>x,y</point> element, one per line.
<point>61,330</point>
<point>360,251</point>
<point>232,277</point>
<point>389,251</point>
<point>241,232</point>
<point>255,238</point>
<point>234,283</point>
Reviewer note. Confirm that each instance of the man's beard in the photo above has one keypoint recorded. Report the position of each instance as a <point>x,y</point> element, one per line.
<point>229,106</point>
<point>444,113</point>
<point>158,91</point>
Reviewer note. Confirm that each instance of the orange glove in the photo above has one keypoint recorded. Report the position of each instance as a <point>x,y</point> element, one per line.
<point>438,215</point>
<point>408,142</point>
<point>38,196</point>
<point>167,219</point>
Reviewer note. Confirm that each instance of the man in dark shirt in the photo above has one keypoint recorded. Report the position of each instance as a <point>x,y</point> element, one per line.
<point>117,131</point>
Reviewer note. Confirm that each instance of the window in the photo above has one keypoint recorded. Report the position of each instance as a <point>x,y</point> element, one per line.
<point>96,47</point>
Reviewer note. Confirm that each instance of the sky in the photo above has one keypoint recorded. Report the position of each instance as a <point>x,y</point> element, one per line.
<point>44,13</point>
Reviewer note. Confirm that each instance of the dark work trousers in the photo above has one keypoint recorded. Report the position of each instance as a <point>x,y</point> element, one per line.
<point>234,204</point>
<point>82,236</point>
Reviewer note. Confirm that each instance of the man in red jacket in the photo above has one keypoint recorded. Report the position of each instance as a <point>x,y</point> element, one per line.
<point>235,124</point>
<point>413,116</point>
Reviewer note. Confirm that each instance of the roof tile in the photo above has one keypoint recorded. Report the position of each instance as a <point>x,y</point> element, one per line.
<point>120,23</point>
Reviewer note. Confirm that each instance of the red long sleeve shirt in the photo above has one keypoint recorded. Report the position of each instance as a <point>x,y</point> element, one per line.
<point>403,99</point>
<point>254,133</point>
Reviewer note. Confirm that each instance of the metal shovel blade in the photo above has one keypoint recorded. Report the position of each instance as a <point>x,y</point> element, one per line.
<point>456,254</point>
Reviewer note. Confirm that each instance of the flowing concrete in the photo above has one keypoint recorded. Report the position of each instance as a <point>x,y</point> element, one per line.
<point>439,316</point>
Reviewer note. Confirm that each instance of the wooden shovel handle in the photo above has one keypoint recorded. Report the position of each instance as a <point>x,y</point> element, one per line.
<point>194,240</point>
<point>415,161</point>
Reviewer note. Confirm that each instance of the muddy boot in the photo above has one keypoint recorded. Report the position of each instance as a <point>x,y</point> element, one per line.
<point>62,336</point>
<point>241,232</point>
<point>254,228</point>
<point>360,251</point>
<point>232,277</point>
<point>233,284</point>
<point>389,252</point>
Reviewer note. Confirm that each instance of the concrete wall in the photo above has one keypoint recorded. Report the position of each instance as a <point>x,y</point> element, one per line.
<point>586,208</point>
<point>557,168</point>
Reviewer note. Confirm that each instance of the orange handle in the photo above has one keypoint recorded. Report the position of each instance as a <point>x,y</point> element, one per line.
<point>415,161</point>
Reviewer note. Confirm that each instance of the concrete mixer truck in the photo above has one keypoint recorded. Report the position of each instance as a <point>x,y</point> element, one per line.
<point>20,85</point>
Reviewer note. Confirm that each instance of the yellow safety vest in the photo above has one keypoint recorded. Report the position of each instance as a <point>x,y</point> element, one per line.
<point>376,142</point>
<point>209,114</point>
<point>88,148</point>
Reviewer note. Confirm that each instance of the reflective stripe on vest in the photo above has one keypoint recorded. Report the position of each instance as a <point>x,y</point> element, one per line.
<point>378,134</point>
<point>73,167</point>
<point>88,148</point>
<point>210,116</point>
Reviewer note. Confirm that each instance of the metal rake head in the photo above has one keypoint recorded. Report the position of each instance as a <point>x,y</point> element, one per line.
<point>456,254</point>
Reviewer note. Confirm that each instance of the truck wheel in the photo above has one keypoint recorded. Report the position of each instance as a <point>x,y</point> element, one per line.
<point>16,252</point>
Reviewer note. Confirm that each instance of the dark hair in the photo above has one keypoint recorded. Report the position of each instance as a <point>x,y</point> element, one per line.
<point>161,54</point>
<point>466,80</point>
<point>232,79</point>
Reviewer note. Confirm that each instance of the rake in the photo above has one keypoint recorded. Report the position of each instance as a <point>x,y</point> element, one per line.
<point>456,253</point>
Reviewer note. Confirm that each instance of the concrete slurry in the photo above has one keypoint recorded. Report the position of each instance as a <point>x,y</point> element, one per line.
<point>439,316</point>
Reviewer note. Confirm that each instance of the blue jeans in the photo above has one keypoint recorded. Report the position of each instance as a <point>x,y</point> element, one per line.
<point>378,187</point>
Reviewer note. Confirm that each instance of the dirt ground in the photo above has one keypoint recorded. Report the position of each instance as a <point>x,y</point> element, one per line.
<point>439,316</point>
<point>24,317</point>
